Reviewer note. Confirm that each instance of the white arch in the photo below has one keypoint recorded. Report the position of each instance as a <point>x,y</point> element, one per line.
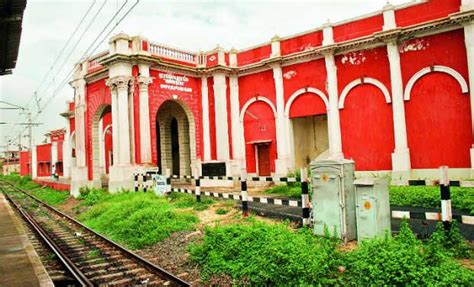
<point>253,100</point>
<point>361,81</point>
<point>302,91</point>
<point>450,71</point>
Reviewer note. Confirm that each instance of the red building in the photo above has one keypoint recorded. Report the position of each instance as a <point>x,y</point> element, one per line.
<point>390,90</point>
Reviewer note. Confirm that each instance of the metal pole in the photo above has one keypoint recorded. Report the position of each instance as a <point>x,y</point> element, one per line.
<point>305,196</point>
<point>244,194</point>
<point>446,212</point>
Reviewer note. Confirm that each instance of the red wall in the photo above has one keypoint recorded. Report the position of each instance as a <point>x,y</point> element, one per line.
<point>191,99</point>
<point>367,129</point>
<point>254,55</point>
<point>98,97</point>
<point>310,74</point>
<point>212,117</point>
<point>301,43</point>
<point>437,115</point>
<point>358,28</point>
<point>430,10</point>
<point>43,159</point>
<point>260,84</point>
<point>259,124</point>
<point>24,163</point>
<point>108,144</point>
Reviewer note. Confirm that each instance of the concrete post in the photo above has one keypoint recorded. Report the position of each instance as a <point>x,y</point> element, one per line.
<point>34,163</point>
<point>222,127</point>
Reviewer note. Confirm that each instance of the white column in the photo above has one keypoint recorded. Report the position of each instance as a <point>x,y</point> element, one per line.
<point>235,114</point>
<point>145,138</point>
<point>401,156</point>
<point>222,128</point>
<point>334,127</point>
<point>54,157</point>
<point>115,126</point>
<point>34,163</point>
<point>80,123</point>
<point>122,84</point>
<point>469,41</point>
<point>281,164</point>
<point>67,150</point>
<point>101,147</point>
<point>206,137</point>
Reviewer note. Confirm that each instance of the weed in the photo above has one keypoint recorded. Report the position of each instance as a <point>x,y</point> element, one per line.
<point>222,211</point>
<point>93,253</point>
<point>137,219</point>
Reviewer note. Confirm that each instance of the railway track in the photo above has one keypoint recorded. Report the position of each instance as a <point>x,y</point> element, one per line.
<point>87,258</point>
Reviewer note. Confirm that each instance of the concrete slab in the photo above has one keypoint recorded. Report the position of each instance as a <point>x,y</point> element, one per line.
<point>20,265</point>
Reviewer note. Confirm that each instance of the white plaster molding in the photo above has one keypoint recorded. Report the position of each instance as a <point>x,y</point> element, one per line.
<point>469,42</point>
<point>443,69</point>
<point>144,80</point>
<point>328,37</point>
<point>34,163</point>
<point>54,157</point>
<point>253,100</point>
<point>101,146</point>
<point>303,91</point>
<point>276,48</point>
<point>361,81</point>
<point>235,125</point>
<point>467,5</point>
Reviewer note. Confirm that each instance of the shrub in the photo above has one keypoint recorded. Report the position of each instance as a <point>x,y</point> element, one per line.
<point>402,261</point>
<point>91,196</point>
<point>261,254</point>
<point>183,200</point>
<point>450,243</point>
<point>429,196</point>
<point>136,219</point>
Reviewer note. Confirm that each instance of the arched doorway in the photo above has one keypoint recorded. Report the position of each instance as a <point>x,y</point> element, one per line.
<point>174,138</point>
<point>101,120</point>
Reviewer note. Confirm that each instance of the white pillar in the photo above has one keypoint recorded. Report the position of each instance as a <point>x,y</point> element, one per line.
<point>115,123</point>
<point>34,163</point>
<point>281,164</point>
<point>222,128</point>
<point>206,137</point>
<point>469,41</point>
<point>80,123</point>
<point>101,147</point>
<point>334,127</point>
<point>122,84</point>
<point>145,138</point>
<point>401,156</point>
<point>67,150</point>
<point>54,157</point>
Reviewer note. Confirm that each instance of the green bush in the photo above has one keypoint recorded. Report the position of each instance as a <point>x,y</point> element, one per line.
<point>261,254</point>
<point>136,219</point>
<point>450,243</point>
<point>50,196</point>
<point>429,196</point>
<point>402,261</point>
<point>91,196</point>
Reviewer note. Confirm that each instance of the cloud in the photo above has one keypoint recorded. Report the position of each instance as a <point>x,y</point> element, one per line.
<point>190,25</point>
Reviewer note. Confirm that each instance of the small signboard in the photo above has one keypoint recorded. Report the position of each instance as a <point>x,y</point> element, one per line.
<point>160,184</point>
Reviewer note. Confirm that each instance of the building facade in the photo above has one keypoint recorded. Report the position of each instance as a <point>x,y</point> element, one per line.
<point>390,90</point>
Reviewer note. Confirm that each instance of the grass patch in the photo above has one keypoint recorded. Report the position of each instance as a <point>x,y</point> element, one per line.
<point>183,200</point>
<point>429,196</point>
<point>293,191</point>
<point>222,211</point>
<point>259,254</point>
<point>137,219</point>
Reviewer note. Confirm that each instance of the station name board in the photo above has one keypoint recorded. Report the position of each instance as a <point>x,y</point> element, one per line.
<point>174,83</point>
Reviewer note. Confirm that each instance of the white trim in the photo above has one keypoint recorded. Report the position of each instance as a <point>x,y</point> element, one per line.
<point>361,81</point>
<point>450,71</point>
<point>253,100</point>
<point>302,91</point>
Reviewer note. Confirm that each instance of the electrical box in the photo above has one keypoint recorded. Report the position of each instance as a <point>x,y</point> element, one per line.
<point>333,199</point>
<point>372,207</point>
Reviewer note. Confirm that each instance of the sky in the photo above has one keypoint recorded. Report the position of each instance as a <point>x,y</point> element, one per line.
<point>190,25</point>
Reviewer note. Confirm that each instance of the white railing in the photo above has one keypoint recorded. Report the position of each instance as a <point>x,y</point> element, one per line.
<point>172,53</point>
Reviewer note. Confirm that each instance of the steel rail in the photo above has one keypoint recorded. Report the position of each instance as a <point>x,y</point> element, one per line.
<point>66,262</point>
<point>145,262</point>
